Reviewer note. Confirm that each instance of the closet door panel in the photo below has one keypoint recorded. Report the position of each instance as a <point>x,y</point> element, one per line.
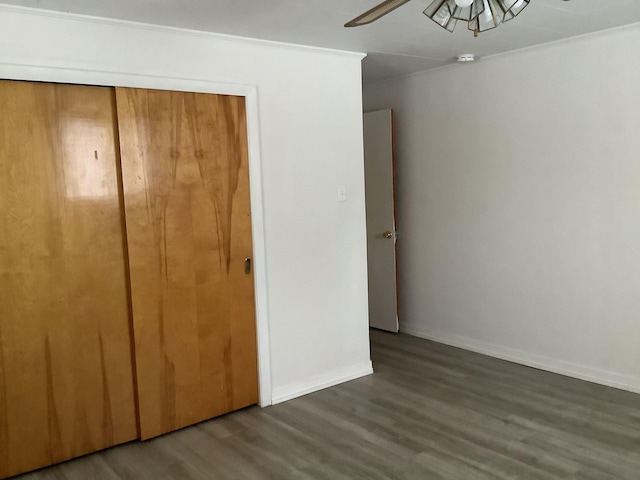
<point>186,190</point>
<point>66,379</point>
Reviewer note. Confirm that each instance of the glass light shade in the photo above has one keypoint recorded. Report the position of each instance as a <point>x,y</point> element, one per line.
<point>480,15</point>
<point>490,18</point>
<point>514,8</point>
<point>441,12</point>
<point>467,14</point>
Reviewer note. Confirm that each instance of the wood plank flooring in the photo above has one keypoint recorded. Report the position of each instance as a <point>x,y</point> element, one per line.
<point>429,412</point>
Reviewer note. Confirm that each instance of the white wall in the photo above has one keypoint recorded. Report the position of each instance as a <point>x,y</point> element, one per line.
<point>310,131</point>
<point>519,205</point>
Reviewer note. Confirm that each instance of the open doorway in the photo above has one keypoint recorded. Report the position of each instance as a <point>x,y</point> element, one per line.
<point>382,237</point>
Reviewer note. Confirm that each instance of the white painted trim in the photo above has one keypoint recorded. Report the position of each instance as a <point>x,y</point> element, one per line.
<point>47,73</point>
<point>259,249</point>
<point>327,380</point>
<point>589,374</point>
<point>174,30</point>
<point>250,92</point>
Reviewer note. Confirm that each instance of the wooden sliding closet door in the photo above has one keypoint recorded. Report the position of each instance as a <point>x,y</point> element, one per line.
<point>186,190</point>
<point>66,380</point>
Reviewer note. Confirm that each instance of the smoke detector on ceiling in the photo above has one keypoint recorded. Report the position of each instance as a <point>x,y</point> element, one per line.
<point>466,58</point>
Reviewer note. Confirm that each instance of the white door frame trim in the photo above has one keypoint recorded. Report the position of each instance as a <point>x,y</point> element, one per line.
<point>11,71</point>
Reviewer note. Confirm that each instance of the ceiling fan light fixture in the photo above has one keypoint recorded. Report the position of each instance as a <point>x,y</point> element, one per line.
<point>480,15</point>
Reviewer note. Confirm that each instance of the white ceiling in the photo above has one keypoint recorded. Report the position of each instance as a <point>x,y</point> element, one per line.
<point>402,42</point>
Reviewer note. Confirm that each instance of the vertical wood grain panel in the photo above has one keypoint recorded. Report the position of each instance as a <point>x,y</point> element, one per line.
<point>186,189</point>
<point>66,380</point>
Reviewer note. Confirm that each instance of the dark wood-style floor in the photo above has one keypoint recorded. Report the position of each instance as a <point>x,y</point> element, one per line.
<point>429,412</point>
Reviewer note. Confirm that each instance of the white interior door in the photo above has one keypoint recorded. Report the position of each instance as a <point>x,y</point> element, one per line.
<point>381,233</point>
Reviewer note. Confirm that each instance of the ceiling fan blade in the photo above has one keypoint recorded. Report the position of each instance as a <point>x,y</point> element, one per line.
<point>376,12</point>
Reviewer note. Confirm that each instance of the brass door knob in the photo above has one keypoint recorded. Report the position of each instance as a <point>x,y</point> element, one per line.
<point>387,234</point>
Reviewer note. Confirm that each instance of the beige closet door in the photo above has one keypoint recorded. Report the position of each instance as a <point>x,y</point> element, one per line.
<point>186,191</point>
<point>66,380</point>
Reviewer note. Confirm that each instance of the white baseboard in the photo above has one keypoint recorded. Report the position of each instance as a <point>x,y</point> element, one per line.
<point>321,382</point>
<point>602,377</point>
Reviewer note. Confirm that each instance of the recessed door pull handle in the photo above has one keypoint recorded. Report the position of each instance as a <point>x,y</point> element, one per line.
<point>247,266</point>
